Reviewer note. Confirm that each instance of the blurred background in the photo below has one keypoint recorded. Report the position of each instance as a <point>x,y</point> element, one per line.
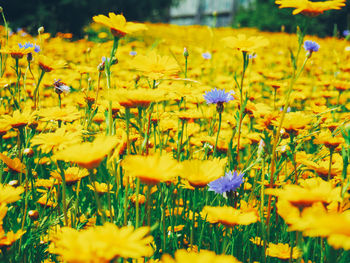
<point>74,15</point>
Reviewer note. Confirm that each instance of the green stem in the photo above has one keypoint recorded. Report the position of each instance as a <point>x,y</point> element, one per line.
<point>217,135</point>
<point>137,202</point>
<point>36,91</point>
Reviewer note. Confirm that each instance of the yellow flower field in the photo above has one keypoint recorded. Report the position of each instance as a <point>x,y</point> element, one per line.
<point>166,143</point>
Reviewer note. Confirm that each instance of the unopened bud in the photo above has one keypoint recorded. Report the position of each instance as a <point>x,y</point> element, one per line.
<point>28,152</point>
<point>1,10</point>
<point>41,30</point>
<point>186,54</point>
<point>33,214</point>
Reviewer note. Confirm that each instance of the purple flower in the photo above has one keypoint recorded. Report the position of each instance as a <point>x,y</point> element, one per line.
<point>218,96</point>
<point>133,53</point>
<point>346,33</point>
<point>230,182</point>
<point>311,46</point>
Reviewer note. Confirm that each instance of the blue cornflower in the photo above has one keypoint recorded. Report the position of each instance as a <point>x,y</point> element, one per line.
<point>230,182</point>
<point>206,55</point>
<point>133,53</point>
<point>311,46</point>
<point>218,96</point>
<point>29,45</point>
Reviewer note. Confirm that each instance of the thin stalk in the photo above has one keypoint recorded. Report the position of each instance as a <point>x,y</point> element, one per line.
<point>245,65</point>
<point>331,150</point>
<point>277,137</point>
<point>217,135</point>
<point>137,202</point>
<point>36,91</point>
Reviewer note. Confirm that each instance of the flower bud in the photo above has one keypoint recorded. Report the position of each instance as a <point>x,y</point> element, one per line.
<point>28,152</point>
<point>41,30</point>
<point>33,214</point>
<point>186,54</point>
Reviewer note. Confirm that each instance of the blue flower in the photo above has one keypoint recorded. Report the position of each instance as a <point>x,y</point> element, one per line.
<point>206,55</point>
<point>216,96</point>
<point>29,45</point>
<point>346,33</point>
<point>311,46</point>
<point>230,182</point>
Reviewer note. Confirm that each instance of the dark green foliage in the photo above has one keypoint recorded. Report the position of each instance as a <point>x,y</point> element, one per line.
<point>72,15</point>
<point>265,15</point>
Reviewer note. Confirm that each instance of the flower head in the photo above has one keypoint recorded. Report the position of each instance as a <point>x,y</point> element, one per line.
<point>244,43</point>
<point>310,8</point>
<point>218,96</point>
<point>230,182</point>
<point>310,47</point>
<point>118,25</point>
<point>206,55</point>
<point>28,45</point>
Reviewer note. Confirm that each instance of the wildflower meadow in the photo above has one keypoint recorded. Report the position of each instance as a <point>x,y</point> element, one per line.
<point>163,143</point>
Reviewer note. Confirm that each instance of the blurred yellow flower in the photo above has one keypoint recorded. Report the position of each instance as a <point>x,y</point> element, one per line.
<point>151,169</point>
<point>118,25</point>
<point>282,251</point>
<point>48,64</point>
<point>155,66</point>
<point>56,141</point>
<point>201,172</point>
<point>101,243</point>
<point>245,44</point>
<point>10,194</point>
<point>308,192</point>
<point>204,256</point>
<point>14,164</point>
<point>88,155</point>
<point>229,216</point>
<point>310,8</point>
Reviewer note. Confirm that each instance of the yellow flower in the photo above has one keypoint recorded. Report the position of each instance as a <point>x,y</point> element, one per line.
<point>310,8</point>
<point>18,119</point>
<point>101,244</point>
<point>309,192</point>
<point>151,169</point>
<point>67,114</point>
<point>199,173</point>
<point>204,256</point>
<point>17,52</point>
<point>14,164</point>
<point>48,64</point>
<point>136,98</point>
<point>244,43</point>
<point>88,155</point>
<point>229,216</point>
<point>101,188</point>
<point>9,194</point>
<point>72,174</point>
<point>326,138</point>
<point>10,238</point>
<point>56,141</point>
<point>118,25</point>
<point>155,66</point>
<point>294,121</point>
<point>282,251</point>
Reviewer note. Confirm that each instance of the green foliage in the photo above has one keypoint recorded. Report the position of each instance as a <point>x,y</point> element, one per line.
<point>72,15</point>
<point>265,15</point>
